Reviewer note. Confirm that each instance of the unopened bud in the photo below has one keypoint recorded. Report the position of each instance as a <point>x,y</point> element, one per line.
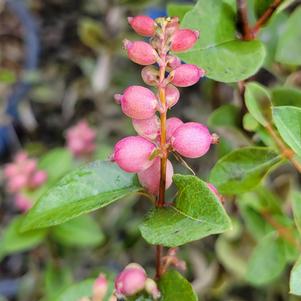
<point>143,25</point>
<point>172,95</point>
<point>150,75</point>
<point>147,128</point>
<point>100,288</point>
<point>152,288</point>
<point>187,75</point>
<point>171,125</point>
<point>184,39</point>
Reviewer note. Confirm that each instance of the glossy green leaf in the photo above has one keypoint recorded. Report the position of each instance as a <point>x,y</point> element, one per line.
<point>178,10</point>
<point>77,291</point>
<point>288,122</point>
<point>197,213</point>
<point>173,286</point>
<point>286,96</point>
<point>289,49</point>
<point>243,169</point>
<point>218,51</point>
<point>88,188</point>
<point>82,231</point>
<point>258,102</point>
<point>296,204</point>
<point>12,240</point>
<point>56,163</point>
<point>267,260</point>
<point>295,278</point>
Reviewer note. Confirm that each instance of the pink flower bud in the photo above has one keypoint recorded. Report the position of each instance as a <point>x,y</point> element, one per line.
<point>171,125</point>
<point>38,178</point>
<point>10,170</point>
<point>130,281</point>
<point>173,61</point>
<point>150,75</point>
<point>17,183</point>
<point>22,203</point>
<point>187,75</point>
<point>147,128</point>
<point>191,140</point>
<point>150,178</point>
<point>172,95</point>
<point>100,288</point>
<point>138,102</point>
<point>140,52</point>
<point>215,191</point>
<point>152,288</point>
<point>184,39</point>
<point>132,153</point>
<point>143,25</point>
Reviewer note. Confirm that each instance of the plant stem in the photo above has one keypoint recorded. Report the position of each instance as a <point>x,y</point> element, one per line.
<point>242,13</point>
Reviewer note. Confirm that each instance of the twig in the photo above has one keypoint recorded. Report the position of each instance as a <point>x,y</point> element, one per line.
<point>242,13</point>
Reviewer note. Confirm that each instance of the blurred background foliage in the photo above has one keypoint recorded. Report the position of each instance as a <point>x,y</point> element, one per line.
<point>62,61</point>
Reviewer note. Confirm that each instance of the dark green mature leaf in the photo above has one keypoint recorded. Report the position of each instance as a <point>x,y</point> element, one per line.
<point>243,169</point>
<point>288,122</point>
<point>218,51</point>
<point>178,10</point>
<point>77,291</point>
<point>267,261</point>
<point>13,241</point>
<point>258,102</point>
<point>197,213</point>
<point>286,96</point>
<point>82,231</point>
<point>173,286</point>
<point>295,278</point>
<point>296,204</point>
<point>88,188</point>
<point>289,49</point>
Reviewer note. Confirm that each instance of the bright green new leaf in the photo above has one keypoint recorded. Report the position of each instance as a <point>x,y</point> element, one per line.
<point>85,189</point>
<point>288,122</point>
<point>267,261</point>
<point>295,278</point>
<point>289,46</point>
<point>197,213</point>
<point>178,10</point>
<point>77,291</point>
<point>173,286</point>
<point>218,50</point>
<point>258,102</point>
<point>82,231</point>
<point>12,240</point>
<point>296,204</point>
<point>243,169</point>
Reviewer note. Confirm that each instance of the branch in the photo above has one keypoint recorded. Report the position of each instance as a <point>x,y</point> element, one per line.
<point>265,17</point>
<point>242,13</point>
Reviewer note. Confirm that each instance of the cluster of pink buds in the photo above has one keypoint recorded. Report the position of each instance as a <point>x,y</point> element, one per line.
<point>21,175</point>
<point>81,139</point>
<point>132,280</point>
<point>158,136</point>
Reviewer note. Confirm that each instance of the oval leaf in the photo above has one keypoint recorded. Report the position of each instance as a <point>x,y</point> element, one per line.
<point>88,188</point>
<point>288,122</point>
<point>197,213</point>
<point>173,286</point>
<point>258,102</point>
<point>295,278</point>
<point>243,169</point>
<point>218,51</point>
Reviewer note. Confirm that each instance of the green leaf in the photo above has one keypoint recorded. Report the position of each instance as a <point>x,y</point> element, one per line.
<point>178,10</point>
<point>82,231</point>
<point>260,6</point>
<point>12,240</point>
<point>85,189</point>
<point>173,286</point>
<point>243,169</point>
<point>226,115</point>
<point>267,261</point>
<point>296,204</point>
<point>77,291</point>
<point>295,278</point>
<point>286,96</point>
<point>56,163</point>
<point>197,213</point>
<point>258,102</point>
<point>288,122</point>
<point>250,123</point>
<point>289,49</point>
<point>224,57</point>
